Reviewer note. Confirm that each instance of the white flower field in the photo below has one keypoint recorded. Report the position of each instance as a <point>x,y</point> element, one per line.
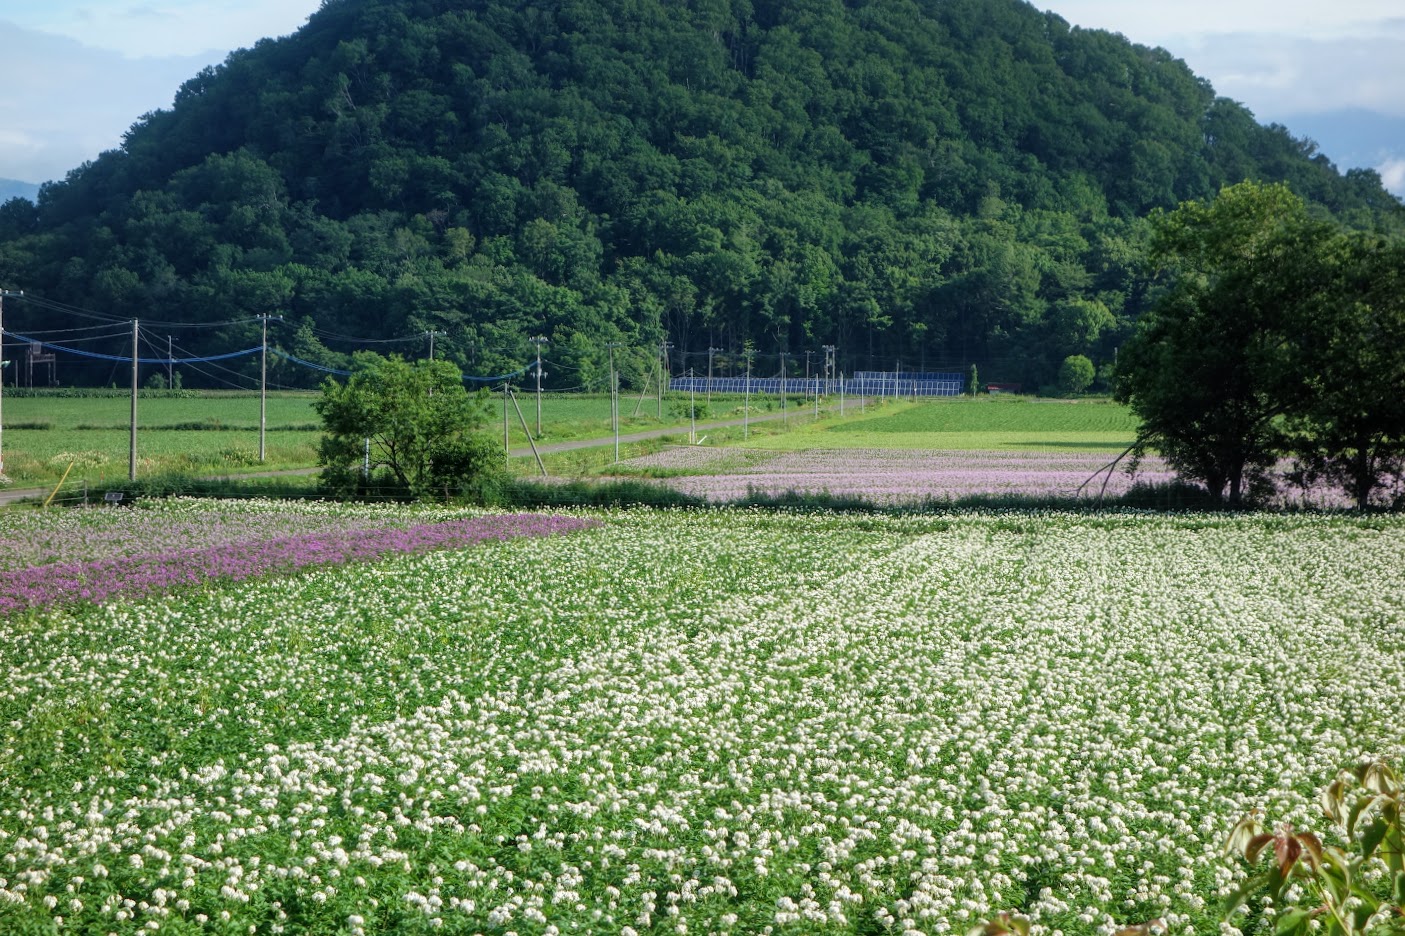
<point>702,722</point>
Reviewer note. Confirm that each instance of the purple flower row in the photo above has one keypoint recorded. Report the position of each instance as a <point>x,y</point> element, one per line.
<point>135,576</point>
<point>41,537</point>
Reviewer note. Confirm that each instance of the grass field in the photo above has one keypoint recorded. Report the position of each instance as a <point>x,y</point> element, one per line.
<point>983,424</point>
<point>687,722</point>
<point>212,434</point>
<point>217,433</point>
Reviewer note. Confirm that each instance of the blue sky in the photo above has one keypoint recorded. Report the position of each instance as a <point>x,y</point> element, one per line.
<point>77,73</point>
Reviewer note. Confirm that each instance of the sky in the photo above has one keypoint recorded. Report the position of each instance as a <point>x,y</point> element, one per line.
<point>75,74</point>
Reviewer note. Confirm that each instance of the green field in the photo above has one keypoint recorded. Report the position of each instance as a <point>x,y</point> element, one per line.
<point>217,433</point>
<point>728,721</point>
<point>212,434</point>
<point>963,424</point>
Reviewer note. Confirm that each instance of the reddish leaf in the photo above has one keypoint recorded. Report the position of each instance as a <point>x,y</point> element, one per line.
<point>1286,849</point>
<point>1256,846</point>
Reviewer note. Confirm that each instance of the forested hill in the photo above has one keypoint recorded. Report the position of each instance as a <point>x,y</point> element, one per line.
<point>938,182</point>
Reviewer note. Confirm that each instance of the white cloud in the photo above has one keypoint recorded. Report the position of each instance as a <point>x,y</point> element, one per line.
<point>163,29</point>
<point>1393,175</point>
<point>1276,76</point>
<point>68,102</point>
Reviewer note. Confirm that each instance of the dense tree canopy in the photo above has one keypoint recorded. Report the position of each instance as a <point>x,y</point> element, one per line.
<point>936,181</point>
<point>1279,336</point>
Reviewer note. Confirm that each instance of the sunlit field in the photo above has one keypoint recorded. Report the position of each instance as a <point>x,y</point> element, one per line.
<point>981,424</point>
<point>212,434</point>
<point>217,433</point>
<point>892,477</point>
<point>680,722</point>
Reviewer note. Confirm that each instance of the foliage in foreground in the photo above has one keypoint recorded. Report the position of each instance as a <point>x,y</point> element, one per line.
<point>1334,890</point>
<point>1308,887</point>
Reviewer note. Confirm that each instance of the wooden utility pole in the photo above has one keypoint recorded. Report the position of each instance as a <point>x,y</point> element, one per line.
<point>663,373</point>
<point>16,295</point>
<point>785,413</point>
<point>746,398</point>
<point>710,353</point>
<point>263,384</point>
<point>614,399</point>
<point>538,341</point>
<point>132,452</point>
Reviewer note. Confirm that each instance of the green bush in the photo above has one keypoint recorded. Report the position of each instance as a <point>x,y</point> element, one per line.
<point>1076,375</point>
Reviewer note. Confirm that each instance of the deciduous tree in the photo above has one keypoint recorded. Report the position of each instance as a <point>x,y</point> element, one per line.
<point>1204,371</point>
<point>424,429</point>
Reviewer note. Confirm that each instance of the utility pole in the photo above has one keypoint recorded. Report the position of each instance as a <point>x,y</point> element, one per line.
<point>170,366</point>
<point>14,295</point>
<point>263,386</point>
<point>614,399</point>
<point>538,340</point>
<point>692,408</point>
<point>746,400</point>
<point>784,412</point>
<point>664,368</point>
<point>132,453</point>
<point>431,335</point>
<point>710,353</point>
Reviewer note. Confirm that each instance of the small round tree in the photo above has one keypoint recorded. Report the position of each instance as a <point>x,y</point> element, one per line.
<point>1076,374</point>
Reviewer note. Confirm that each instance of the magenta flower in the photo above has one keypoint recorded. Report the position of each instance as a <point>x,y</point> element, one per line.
<point>237,559</point>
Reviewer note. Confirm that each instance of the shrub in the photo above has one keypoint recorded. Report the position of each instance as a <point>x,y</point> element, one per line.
<point>1076,374</point>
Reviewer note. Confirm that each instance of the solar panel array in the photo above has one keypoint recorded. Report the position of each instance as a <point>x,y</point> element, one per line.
<point>863,383</point>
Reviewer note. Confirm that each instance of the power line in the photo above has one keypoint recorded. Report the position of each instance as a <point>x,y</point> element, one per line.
<point>127,359</point>
<point>116,319</point>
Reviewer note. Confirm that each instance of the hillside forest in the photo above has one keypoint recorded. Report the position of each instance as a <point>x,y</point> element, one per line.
<point>921,183</point>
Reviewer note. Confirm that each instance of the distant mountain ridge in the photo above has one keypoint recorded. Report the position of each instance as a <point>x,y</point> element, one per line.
<point>11,188</point>
<point>919,182</point>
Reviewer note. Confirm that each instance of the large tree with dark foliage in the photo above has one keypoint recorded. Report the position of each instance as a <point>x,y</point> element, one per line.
<point>1205,371</point>
<point>937,181</point>
<point>1280,335</point>
<point>1346,405</point>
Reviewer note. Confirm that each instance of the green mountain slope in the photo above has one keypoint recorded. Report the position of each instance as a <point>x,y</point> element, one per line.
<point>935,182</point>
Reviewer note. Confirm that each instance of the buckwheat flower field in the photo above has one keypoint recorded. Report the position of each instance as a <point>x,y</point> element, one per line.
<point>701,722</point>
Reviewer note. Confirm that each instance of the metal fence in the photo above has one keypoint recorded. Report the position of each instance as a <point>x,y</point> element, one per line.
<point>863,383</point>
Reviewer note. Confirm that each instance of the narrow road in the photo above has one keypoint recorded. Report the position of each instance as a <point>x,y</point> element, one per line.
<point>15,495</point>
<point>577,444</point>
